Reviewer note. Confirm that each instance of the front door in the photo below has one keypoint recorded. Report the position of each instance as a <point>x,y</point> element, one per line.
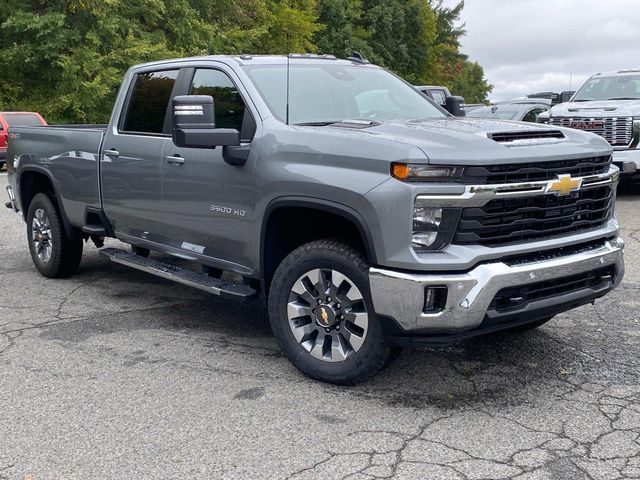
<point>207,202</point>
<point>131,162</point>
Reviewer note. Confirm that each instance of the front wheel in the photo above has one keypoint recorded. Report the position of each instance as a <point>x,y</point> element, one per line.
<point>53,252</point>
<point>322,315</point>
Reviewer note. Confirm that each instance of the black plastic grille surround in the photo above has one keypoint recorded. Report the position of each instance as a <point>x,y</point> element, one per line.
<point>517,219</point>
<point>514,298</point>
<point>534,172</point>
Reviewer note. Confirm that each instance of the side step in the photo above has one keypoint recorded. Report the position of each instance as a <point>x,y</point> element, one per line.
<point>181,275</point>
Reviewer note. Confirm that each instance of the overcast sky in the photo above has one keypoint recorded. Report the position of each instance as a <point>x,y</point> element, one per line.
<point>528,46</point>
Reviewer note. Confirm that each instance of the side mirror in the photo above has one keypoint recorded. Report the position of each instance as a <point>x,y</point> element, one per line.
<point>455,106</point>
<point>194,124</point>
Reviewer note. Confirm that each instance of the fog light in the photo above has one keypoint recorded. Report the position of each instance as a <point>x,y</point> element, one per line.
<point>435,299</point>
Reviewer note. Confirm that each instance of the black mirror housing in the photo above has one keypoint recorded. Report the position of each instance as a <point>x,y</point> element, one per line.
<point>194,124</point>
<point>454,105</point>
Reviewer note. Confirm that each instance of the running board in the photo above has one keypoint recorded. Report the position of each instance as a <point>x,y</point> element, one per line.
<point>180,275</point>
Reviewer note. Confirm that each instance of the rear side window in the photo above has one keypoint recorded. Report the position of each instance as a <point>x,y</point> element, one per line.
<point>149,102</point>
<point>22,120</point>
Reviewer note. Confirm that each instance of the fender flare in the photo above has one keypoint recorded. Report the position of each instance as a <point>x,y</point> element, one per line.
<point>40,170</point>
<point>335,208</point>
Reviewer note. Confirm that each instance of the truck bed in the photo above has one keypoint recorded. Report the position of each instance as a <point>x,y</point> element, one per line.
<point>68,155</point>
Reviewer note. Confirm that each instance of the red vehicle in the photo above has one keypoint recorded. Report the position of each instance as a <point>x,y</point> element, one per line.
<point>15,119</point>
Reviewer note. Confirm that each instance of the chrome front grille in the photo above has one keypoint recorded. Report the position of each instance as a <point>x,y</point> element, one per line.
<point>618,131</point>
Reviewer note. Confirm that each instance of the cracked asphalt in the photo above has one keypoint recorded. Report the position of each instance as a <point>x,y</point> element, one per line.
<point>117,374</point>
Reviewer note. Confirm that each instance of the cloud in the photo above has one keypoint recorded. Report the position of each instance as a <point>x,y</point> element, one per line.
<point>527,46</point>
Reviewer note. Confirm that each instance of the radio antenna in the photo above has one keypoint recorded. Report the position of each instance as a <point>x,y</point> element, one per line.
<point>288,74</point>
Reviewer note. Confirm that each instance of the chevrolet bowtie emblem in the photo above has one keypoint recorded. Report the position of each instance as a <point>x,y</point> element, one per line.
<point>325,316</point>
<point>564,185</point>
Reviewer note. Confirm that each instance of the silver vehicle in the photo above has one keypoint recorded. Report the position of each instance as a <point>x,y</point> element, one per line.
<point>366,216</point>
<point>521,111</point>
<point>608,104</point>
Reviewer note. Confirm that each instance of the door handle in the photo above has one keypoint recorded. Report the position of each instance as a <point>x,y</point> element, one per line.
<point>112,153</point>
<point>174,159</point>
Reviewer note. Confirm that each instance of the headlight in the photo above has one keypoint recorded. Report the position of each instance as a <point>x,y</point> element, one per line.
<point>433,227</point>
<point>424,173</point>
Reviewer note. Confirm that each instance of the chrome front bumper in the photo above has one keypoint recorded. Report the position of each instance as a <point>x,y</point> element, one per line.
<point>401,295</point>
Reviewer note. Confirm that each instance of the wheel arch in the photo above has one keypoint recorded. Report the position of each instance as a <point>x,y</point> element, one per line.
<point>305,210</point>
<point>33,180</point>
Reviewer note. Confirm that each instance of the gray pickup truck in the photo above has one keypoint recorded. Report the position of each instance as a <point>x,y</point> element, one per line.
<point>367,217</point>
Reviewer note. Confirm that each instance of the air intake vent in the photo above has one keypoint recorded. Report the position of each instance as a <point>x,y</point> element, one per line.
<point>509,137</point>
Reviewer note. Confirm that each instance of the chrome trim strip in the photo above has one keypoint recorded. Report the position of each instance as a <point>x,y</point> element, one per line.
<point>400,295</point>
<point>479,195</point>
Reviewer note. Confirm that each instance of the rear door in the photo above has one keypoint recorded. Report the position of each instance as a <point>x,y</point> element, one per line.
<point>207,202</point>
<point>131,160</point>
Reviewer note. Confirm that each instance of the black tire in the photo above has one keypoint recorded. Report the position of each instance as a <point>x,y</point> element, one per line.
<point>373,354</point>
<point>140,251</point>
<point>66,252</point>
<point>528,326</point>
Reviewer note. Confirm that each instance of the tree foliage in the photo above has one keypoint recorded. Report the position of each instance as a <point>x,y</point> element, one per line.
<point>65,58</point>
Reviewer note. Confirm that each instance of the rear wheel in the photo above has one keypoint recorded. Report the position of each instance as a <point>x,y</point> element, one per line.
<point>322,315</point>
<point>53,252</point>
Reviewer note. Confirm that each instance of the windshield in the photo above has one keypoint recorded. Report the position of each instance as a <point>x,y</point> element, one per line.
<point>624,87</point>
<point>495,112</point>
<point>320,94</point>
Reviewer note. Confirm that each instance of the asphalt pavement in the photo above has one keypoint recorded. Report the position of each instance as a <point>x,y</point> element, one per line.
<point>115,374</point>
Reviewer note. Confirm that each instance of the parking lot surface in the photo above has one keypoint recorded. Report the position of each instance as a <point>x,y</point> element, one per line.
<point>117,374</point>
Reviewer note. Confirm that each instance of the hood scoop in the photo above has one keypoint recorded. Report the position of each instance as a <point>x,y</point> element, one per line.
<point>531,137</point>
<point>598,109</point>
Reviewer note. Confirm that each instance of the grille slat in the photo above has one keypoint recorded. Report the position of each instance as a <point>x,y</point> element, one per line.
<point>535,172</point>
<point>618,131</point>
<point>503,221</point>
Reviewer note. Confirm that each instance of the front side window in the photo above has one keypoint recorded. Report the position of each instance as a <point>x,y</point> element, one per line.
<point>333,93</point>
<point>228,104</point>
<point>149,102</point>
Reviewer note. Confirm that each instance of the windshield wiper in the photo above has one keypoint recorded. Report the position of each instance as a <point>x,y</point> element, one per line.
<point>585,100</point>
<point>625,98</point>
<point>317,124</point>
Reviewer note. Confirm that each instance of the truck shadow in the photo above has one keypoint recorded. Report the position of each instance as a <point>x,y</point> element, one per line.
<point>502,368</point>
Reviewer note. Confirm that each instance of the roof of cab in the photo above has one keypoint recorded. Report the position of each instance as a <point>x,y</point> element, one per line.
<point>248,59</point>
<point>619,73</point>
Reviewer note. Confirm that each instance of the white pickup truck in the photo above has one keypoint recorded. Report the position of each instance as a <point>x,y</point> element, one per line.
<point>608,104</point>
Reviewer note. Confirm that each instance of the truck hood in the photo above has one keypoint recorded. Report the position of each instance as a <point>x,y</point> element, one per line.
<point>465,141</point>
<point>596,109</point>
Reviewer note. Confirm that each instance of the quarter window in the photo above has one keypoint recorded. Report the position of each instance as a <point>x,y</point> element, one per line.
<point>149,102</point>
<point>229,106</point>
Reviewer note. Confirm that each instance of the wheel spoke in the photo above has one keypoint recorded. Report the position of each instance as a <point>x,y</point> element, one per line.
<point>303,333</point>
<point>352,338</point>
<point>301,290</point>
<point>360,319</point>
<point>318,348</point>
<point>339,349</point>
<point>296,310</point>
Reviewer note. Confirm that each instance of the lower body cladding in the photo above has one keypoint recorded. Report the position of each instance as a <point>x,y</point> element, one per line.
<point>439,308</point>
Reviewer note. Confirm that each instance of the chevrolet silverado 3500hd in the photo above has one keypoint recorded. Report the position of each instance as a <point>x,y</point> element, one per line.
<point>366,215</point>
